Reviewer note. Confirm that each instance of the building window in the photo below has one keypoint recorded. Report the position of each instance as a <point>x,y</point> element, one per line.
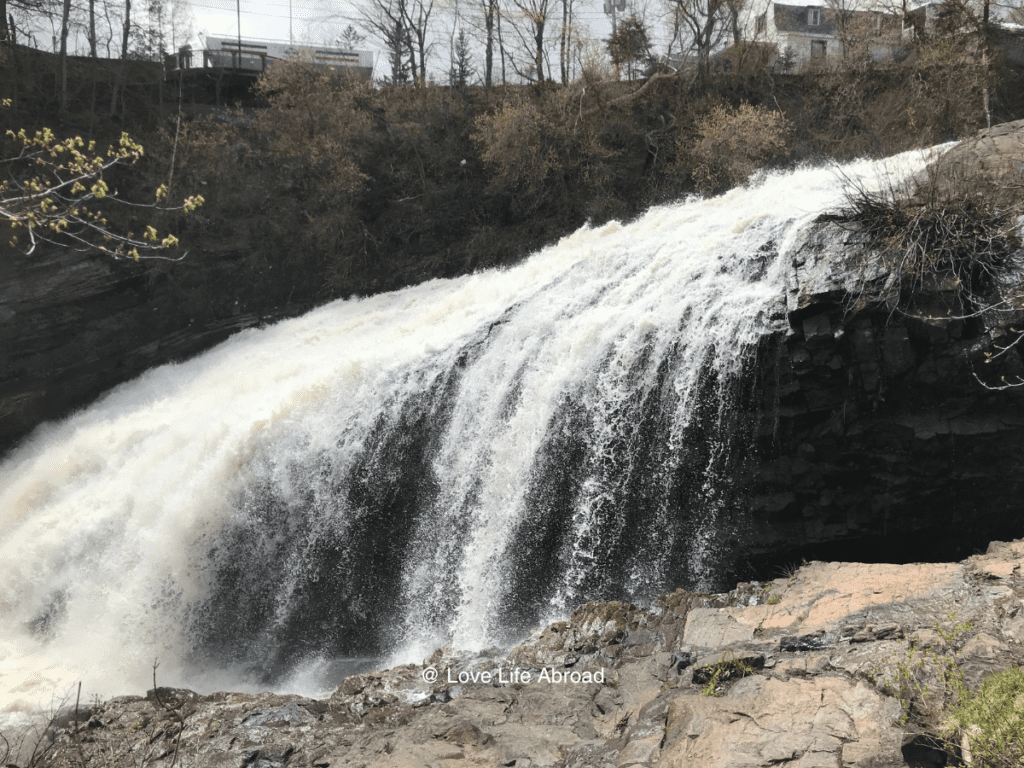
<point>762,24</point>
<point>818,49</point>
<point>814,16</point>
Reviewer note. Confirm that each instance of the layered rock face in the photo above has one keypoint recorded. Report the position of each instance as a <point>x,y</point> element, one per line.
<point>793,672</point>
<point>75,325</point>
<point>877,440</point>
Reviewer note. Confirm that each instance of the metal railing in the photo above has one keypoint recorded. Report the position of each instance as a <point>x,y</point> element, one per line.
<point>185,59</point>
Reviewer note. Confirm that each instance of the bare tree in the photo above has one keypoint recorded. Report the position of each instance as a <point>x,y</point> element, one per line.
<point>402,27</point>
<point>65,17</point>
<point>417,18</point>
<point>563,41</point>
<point>530,26</point>
<point>111,30</point>
<point>701,25</point>
<point>485,26</point>
<point>490,11</point>
<point>384,21</point>
<point>735,10</point>
<point>88,23</point>
<point>856,27</point>
<point>126,29</point>
<point>501,49</point>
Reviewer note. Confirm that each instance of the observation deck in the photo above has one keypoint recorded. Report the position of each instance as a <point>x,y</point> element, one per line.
<point>230,64</point>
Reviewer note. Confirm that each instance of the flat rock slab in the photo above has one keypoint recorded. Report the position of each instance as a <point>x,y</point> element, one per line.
<point>829,596</point>
<point>819,723</point>
<point>996,152</point>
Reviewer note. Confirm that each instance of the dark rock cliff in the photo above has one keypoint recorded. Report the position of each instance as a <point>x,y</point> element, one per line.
<point>878,442</point>
<point>75,325</point>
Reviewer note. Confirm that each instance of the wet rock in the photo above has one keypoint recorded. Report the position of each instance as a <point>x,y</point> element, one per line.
<point>799,680</point>
<point>811,642</point>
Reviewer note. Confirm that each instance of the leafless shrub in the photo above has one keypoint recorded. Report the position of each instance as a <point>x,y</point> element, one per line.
<point>734,143</point>
<point>952,226</point>
<point>952,232</point>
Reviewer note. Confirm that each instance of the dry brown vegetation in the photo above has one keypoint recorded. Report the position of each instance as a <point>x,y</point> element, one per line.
<point>356,189</point>
<point>733,143</point>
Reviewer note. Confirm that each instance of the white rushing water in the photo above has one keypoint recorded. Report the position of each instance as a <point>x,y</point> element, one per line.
<point>443,464</point>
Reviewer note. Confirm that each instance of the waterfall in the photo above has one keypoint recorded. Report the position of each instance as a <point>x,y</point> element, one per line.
<point>445,465</point>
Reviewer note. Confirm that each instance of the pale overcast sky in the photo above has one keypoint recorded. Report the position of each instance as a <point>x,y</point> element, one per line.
<point>267,19</point>
<point>316,21</point>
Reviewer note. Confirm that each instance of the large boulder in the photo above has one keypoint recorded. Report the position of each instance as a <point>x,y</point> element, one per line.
<point>995,154</point>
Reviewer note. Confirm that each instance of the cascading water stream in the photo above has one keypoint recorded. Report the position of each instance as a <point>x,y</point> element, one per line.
<point>448,464</point>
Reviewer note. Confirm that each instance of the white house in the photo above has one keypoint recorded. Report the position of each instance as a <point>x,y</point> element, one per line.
<point>809,34</point>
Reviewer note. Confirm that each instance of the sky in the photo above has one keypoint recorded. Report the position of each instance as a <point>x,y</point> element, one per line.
<point>266,19</point>
<point>316,21</point>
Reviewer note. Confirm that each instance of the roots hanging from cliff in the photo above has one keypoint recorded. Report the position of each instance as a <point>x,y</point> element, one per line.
<point>953,232</point>
<point>947,246</point>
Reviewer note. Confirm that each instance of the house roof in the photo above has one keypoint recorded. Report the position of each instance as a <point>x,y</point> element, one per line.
<point>793,17</point>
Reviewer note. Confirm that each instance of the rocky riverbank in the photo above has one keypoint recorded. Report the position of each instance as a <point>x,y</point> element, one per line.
<point>789,672</point>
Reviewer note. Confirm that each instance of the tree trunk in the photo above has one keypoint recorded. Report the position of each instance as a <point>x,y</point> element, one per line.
<point>489,46</point>
<point>421,42</point>
<point>562,44</point>
<point>704,51</point>
<point>126,29</point>
<point>92,28</point>
<point>64,56</point>
<point>539,38</point>
<point>396,53</point>
<point>4,33</point>
<point>570,68</point>
<point>412,61</point>
<point>501,48</point>
<point>985,36</point>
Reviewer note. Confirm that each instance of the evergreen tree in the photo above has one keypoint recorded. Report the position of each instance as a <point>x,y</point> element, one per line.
<point>462,69</point>
<point>630,45</point>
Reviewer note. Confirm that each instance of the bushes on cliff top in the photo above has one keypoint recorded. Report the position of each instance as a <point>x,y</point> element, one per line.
<point>539,145</point>
<point>314,118</point>
<point>947,236</point>
<point>953,227</point>
<point>394,185</point>
<point>733,143</point>
<point>947,247</point>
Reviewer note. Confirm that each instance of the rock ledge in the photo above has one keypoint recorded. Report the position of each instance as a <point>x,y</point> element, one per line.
<point>790,665</point>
